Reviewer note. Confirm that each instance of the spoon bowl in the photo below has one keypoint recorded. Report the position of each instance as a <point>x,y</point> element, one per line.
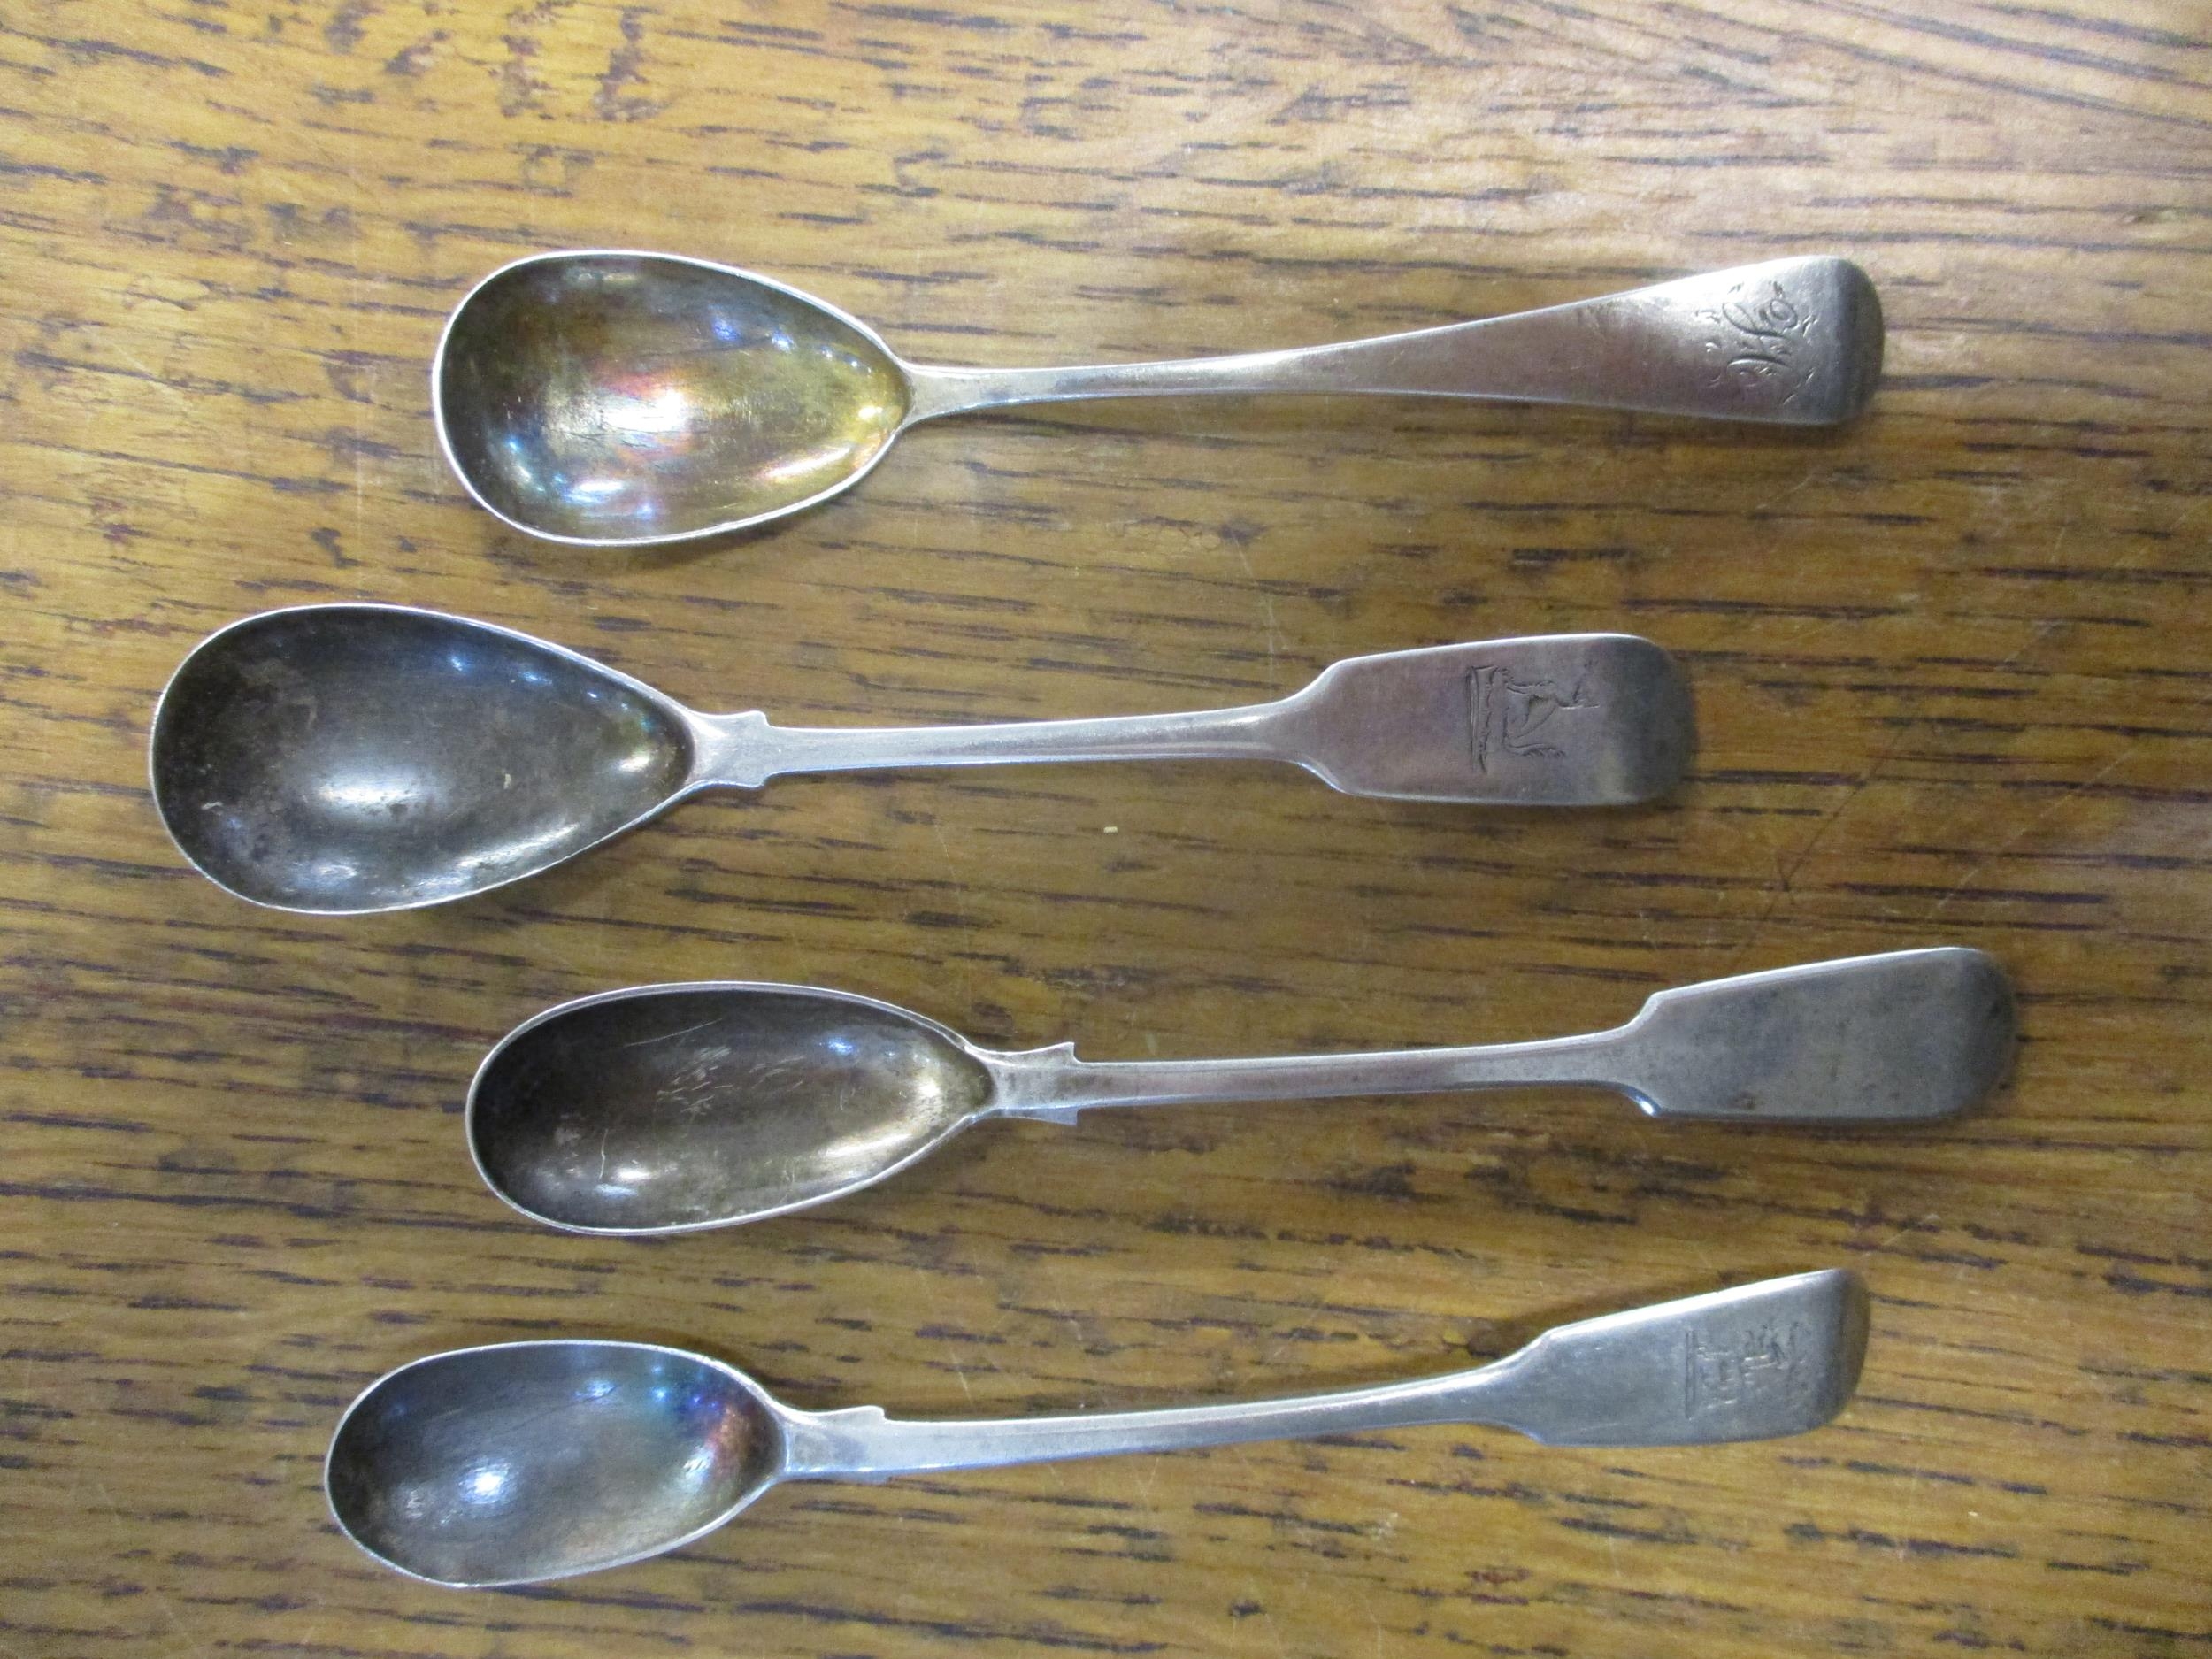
<point>621,1113</point>
<point>537,1460</point>
<point>343,758</point>
<point>616,397</point>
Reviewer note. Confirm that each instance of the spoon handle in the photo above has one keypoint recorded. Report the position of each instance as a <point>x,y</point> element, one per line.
<point>1777,1357</point>
<point>1564,719</point>
<point>1789,343</point>
<point>1901,1037</point>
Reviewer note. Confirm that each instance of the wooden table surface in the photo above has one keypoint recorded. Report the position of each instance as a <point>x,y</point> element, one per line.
<point>1952,672</point>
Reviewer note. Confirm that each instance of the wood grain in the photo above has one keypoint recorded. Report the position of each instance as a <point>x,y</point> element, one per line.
<point>1953,687</point>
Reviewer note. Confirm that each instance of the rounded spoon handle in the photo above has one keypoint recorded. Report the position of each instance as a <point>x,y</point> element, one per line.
<point>1790,342</point>
<point>1780,1357</point>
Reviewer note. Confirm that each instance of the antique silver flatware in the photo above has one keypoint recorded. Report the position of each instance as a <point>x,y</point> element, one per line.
<point>352,758</point>
<point>528,1461</point>
<point>667,1109</point>
<point>623,399</point>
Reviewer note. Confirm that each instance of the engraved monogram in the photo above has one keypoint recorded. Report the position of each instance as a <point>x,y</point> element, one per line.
<point>1761,337</point>
<point>1736,1368</point>
<point>1516,717</point>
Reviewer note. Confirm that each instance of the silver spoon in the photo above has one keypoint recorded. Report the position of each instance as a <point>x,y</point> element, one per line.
<point>527,1460</point>
<point>670,1108</point>
<point>348,758</point>
<point>621,399</point>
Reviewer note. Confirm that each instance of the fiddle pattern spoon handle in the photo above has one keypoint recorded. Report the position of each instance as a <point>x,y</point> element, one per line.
<point>1778,1357</point>
<point>1565,719</point>
<point>1790,342</point>
<point>1901,1037</point>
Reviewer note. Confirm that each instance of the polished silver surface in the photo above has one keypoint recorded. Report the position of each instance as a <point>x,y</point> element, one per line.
<point>529,1461</point>
<point>346,758</point>
<point>668,1109</point>
<point>624,399</point>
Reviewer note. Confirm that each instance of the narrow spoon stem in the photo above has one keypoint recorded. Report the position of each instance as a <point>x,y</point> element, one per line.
<point>863,1443</point>
<point>754,751</point>
<point>1052,1083</point>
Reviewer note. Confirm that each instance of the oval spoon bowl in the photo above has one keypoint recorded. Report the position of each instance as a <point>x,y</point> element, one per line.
<point>616,398</point>
<point>657,1112</point>
<point>523,1460</point>
<point>333,759</point>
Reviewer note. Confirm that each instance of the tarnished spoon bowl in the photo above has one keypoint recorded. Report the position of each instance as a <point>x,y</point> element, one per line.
<point>343,758</point>
<point>631,397</point>
<point>536,1460</point>
<point>694,1105</point>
